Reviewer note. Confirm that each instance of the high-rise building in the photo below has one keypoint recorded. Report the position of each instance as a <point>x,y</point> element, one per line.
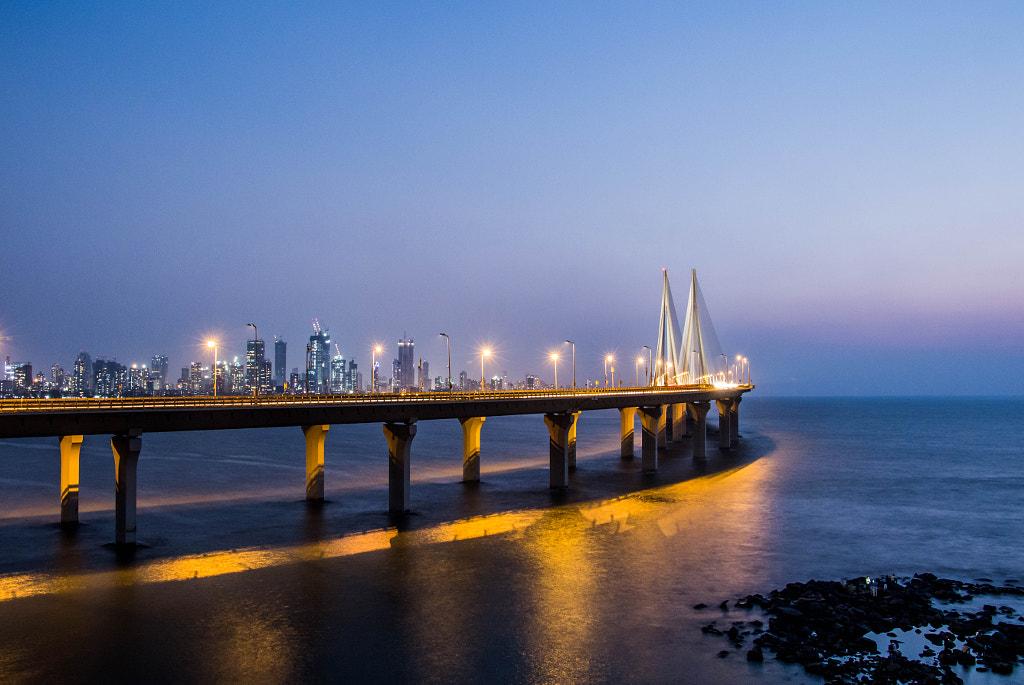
<point>337,374</point>
<point>57,377</point>
<point>424,372</point>
<point>318,370</point>
<point>266,379</point>
<point>280,361</point>
<point>352,377</point>
<point>236,378</point>
<point>195,378</point>
<point>158,371</point>
<point>464,382</point>
<point>81,376</point>
<point>253,365</point>
<point>23,375</point>
<point>404,376</point>
<point>109,378</point>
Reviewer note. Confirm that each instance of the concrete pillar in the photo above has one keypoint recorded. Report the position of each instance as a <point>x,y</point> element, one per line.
<point>699,412</point>
<point>558,446</point>
<point>734,420</point>
<point>399,436</point>
<point>667,425</point>
<point>651,422</point>
<point>70,447</point>
<point>627,419</point>
<point>315,436</point>
<point>687,423</point>
<point>126,450</point>
<point>572,441</point>
<point>724,431</point>
<point>660,432</point>
<point>676,419</point>
<point>471,448</point>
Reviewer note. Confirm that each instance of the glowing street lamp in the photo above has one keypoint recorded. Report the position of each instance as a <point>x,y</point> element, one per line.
<point>639,361</point>
<point>573,363</point>
<point>213,344</point>
<point>255,362</point>
<point>608,360</point>
<point>484,353</point>
<point>554,358</point>
<point>373,368</point>
<point>448,344</point>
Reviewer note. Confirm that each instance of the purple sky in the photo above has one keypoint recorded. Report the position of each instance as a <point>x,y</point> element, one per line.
<point>847,179</point>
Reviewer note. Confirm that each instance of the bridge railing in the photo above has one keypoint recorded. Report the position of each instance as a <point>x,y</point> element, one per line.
<point>202,401</point>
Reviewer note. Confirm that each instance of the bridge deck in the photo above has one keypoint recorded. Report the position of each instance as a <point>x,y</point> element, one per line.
<point>41,418</point>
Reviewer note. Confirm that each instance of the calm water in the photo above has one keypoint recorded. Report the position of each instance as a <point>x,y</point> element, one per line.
<point>238,579</point>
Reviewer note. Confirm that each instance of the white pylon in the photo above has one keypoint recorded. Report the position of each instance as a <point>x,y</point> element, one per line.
<point>666,360</point>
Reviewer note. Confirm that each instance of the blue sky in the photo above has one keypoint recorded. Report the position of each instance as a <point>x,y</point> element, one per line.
<point>845,177</point>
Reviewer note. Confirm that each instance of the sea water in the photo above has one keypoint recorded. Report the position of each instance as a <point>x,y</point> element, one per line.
<point>237,578</point>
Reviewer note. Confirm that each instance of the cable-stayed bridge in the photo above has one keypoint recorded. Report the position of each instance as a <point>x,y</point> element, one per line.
<point>669,410</point>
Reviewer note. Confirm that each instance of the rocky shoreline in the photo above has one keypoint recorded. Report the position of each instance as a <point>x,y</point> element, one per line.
<point>827,625</point>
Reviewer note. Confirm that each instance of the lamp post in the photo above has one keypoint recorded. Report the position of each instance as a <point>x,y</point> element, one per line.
<point>448,344</point>
<point>484,353</point>
<point>639,361</point>
<point>309,353</point>
<point>213,344</point>
<point>554,358</point>
<point>373,368</point>
<point>608,360</point>
<point>573,363</point>
<point>255,362</point>
<point>647,369</point>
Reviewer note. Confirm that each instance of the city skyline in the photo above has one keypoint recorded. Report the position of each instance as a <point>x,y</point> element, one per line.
<point>845,179</point>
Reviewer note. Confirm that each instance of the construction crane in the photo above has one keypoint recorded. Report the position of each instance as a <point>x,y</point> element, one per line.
<point>316,326</point>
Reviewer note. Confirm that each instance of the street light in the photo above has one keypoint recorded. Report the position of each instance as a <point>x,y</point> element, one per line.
<point>213,344</point>
<point>554,358</point>
<point>608,360</point>
<point>647,369</point>
<point>484,353</point>
<point>255,362</point>
<point>373,368</point>
<point>639,361</point>
<point>573,363</point>
<point>448,344</point>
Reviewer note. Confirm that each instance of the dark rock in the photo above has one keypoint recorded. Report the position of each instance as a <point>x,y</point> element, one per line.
<point>755,654</point>
<point>724,653</point>
<point>700,606</point>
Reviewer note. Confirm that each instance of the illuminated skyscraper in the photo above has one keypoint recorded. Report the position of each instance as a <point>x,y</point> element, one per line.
<point>405,378</point>
<point>253,365</point>
<point>158,371</point>
<point>280,361</point>
<point>81,376</point>
<point>319,369</point>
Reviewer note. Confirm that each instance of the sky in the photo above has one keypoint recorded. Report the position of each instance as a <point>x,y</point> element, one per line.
<point>846,178</point>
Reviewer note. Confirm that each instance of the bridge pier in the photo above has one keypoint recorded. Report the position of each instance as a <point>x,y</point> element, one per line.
<point>572,441</point>
<point>724,430</point>
<point>627,420</point>
<point>660,431</point>
<point>652,425</point>
<point>399,437</point>
<point>558,447</point>
<point>126,450</point>
<point>676,419</point>
<point>315,436</point>
<point>699,412</point>
<point>471,448</point>
<point>70,447</point>
<point>734,422</point>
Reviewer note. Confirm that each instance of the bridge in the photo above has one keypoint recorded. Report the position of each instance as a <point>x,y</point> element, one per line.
<point>669,409</point>
<point>666,414</point>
